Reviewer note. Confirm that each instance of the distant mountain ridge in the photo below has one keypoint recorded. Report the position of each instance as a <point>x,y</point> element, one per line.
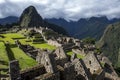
<point>8,20</point>
<point>92,27</point>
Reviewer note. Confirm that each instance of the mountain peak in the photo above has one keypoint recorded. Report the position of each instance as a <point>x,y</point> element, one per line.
<point>31,9</point>
<point>31,18</point>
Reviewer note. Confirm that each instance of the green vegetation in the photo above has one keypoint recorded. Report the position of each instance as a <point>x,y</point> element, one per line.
<point>15,53</point>
<point>42,45</point>
<point>24,60</point>
<point>110,43</point>
<point>3,56</point>
<point>78,55</point>
<point>10,37</point>
<point>89,40</point>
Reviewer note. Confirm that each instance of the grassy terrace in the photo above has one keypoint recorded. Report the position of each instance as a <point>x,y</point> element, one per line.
<point>24,60</point>
<point>11,37</point>
<point>3,56</point>
<point>38,45</point>
<point>15,53</point>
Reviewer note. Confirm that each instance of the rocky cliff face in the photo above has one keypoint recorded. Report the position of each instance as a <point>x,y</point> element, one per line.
<point>110,43</point>
<point>31,18</point>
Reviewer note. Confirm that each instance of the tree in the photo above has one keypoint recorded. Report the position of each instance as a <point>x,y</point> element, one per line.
<point>89,40</point>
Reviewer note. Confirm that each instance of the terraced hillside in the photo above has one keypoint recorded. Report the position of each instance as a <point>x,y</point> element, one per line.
<point>11,51</point>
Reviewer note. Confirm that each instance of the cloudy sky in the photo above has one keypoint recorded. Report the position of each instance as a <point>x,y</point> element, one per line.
<point>67,9</point>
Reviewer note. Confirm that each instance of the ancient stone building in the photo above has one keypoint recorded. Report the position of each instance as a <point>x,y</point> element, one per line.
<point>60,53</point>
<point>82,73</point>
<point>92,63</point>
<point>48,60</point>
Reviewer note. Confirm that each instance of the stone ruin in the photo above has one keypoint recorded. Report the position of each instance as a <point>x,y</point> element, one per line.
<point>49,67</point>
<point>57,65</point>
<point>91,60</point>
<point>58,41</point>
<point>29,50</point>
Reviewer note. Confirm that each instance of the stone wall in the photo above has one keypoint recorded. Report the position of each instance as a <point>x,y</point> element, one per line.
<point>79,51</point>
<point>69,72</point>
<point>30,73</point>
<point>29,50</point>
<point>92,63</point>
<point>14,70</point>
<point>100,76</point>
<point>60,53</point>
<point>81,71</point>
<point>49,76</point>
<point>54,43</point>
<point>48,60</point>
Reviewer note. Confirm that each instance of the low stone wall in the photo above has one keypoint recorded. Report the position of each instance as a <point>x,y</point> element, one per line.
<point>29,50</point>
<point>54,43</point>
<point>49,76</point>
<point>111,77</point>
<point>77,51</point>
<point>100,76</point>
<point>62,61</point>
<point>30,73</point>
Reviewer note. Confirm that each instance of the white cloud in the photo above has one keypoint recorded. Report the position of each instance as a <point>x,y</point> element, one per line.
<point>2,1</point>
<point>68,9</point>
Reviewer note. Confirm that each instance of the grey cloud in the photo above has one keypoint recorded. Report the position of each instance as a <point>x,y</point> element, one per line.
<point>68,9</point>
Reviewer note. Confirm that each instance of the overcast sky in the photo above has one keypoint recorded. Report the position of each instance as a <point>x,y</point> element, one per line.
<point>67,9</point>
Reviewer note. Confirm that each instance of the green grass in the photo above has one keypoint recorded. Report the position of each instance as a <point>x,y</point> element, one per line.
<point>78,55</point>
<point>24,60</point>
<point>9,37</point>
<point>70,53</point>
<point>102,63</point>
<point>15,53</point>
<point>42,45</point>
<point>13,35</point>
<point>3,56</point>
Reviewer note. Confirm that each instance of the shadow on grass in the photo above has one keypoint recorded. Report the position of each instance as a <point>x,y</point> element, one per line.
<point>9,52</point>
<point>12,45</point>
<point>4,62</point>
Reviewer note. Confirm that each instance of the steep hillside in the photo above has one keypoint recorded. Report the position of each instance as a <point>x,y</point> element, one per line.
<point>110,43</point>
